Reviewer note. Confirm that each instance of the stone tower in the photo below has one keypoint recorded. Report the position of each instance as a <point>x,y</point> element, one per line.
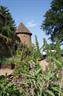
<point>24,35</point>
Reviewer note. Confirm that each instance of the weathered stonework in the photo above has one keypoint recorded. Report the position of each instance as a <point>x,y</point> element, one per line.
<point>24,35</point>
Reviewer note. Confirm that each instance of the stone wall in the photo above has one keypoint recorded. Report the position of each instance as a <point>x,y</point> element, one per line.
<point>25,39</point>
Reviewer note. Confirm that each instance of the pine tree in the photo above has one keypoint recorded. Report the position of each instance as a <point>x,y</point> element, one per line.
<point>8,28</point>
<point>7,31</point>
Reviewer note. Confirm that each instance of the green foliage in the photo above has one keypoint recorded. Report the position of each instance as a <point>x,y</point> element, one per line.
<point>45,45</point>
<point>54,55</point>
<point>28,76</point>
<point>34,82</point>
<point>37,46</point>
<point>16,57</point>
<point>35,51</point>
<point>53,23</point>
<point>8,28</point>
<point>7,32</point>
<point>7,88</point>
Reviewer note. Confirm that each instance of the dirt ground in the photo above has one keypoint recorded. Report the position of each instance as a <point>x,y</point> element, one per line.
<point>5,71</point>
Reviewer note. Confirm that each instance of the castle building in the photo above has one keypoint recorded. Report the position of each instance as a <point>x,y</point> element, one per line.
<point>24,35</point>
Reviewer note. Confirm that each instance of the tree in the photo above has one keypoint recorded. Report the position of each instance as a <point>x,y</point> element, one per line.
<point>8,28</point>
<point>7,31</point>
<point>53,23</point>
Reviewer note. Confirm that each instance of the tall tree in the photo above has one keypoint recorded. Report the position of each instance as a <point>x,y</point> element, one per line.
<point>8,28</point>
<point>53,23</point>
<point>7,31</point>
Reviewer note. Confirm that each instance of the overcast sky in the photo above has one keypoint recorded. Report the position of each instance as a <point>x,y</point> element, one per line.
<point>30,12</point>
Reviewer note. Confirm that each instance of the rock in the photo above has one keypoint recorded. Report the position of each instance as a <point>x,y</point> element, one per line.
<point>44,65</point>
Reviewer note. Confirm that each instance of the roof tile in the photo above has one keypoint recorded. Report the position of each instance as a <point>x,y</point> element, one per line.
<point>22,29</point>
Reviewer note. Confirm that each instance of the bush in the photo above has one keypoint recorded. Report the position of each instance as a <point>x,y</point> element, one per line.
<point>34,82</point>
<point>7,88</point>
<point>28,77</point>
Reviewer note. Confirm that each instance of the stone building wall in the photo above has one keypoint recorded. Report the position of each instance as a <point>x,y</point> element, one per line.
<point>24,35</point>
<point>25,39</point>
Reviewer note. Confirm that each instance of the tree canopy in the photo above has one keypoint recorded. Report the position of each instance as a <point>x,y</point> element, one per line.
<point>7,31</point>
<point>53,22</point>
<point>8,28</point>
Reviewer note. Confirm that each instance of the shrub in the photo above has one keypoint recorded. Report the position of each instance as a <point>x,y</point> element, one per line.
<point>34,82</point>
<point>7,88</point>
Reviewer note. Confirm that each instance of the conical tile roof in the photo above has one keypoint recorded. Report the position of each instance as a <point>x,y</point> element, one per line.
<point>21,29</point>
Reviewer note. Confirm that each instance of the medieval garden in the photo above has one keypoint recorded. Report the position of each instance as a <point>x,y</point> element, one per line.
<point>26,68</point>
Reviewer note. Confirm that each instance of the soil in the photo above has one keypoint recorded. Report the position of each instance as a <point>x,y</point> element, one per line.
<point>5,71</point>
